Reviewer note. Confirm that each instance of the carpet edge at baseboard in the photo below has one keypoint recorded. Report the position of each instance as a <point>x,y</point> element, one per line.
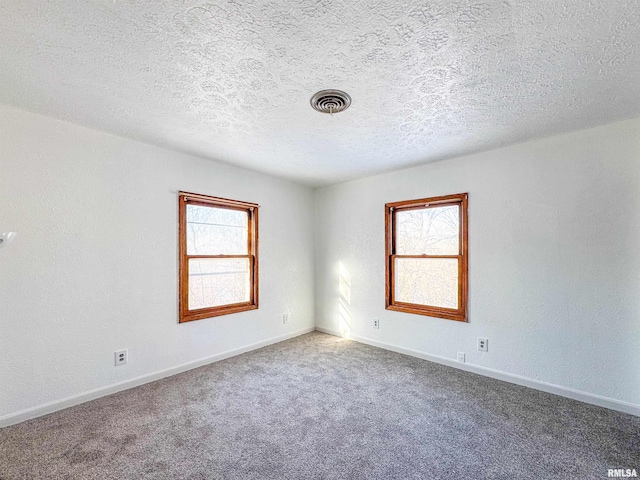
<point>56,405</point>
<point>579,395</point>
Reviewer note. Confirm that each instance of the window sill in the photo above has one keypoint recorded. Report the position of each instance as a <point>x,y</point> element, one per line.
<point>216,312</point>
<point>430,312</point>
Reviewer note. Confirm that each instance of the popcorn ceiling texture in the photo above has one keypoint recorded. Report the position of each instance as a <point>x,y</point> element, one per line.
<point>231,80</point>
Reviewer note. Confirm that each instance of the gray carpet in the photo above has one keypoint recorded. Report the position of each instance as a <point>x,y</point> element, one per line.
<point>318,407</point>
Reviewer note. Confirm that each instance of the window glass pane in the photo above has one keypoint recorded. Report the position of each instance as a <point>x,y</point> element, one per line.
<point>216,231</point>
<point>218,281</point>
<point>427,281</point>
<point>430,231</point>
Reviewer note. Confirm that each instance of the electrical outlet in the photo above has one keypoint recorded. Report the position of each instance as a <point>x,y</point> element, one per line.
<point>376,323</point>
<point>285,318</point>
<point>483,344</point>
<point>120,357</point>
<point>460,357</point>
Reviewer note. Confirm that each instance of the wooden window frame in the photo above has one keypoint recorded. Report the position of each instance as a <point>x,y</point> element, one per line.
<point>391,209</point>
<point>186,198</point>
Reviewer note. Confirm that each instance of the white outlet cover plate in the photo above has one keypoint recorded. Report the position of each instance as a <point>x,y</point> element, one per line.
<point>117,359</point>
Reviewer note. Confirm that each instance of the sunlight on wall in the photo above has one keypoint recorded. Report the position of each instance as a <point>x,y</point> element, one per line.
<point>344,300</point>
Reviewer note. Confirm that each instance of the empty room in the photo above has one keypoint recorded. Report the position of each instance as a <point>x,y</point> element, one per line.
<point>322,239</point>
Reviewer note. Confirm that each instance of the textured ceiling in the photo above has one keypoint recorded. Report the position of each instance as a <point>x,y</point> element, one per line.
<point>231,80</point>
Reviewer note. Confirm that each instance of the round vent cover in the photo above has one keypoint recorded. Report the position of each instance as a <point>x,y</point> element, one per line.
<point>330,101</point>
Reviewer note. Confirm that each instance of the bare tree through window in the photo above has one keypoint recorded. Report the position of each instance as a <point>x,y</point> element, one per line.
<point>426,256</point>
<point>218,245</point>
<point>217,231</point>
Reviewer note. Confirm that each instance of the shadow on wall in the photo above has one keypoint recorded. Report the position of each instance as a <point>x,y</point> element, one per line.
<point>344,300</point>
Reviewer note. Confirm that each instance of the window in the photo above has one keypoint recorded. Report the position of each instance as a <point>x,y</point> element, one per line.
<point>426,256</point>
<point>218,243</point>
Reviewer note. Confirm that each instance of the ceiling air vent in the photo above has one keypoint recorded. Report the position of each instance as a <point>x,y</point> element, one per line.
<point>330,101</point>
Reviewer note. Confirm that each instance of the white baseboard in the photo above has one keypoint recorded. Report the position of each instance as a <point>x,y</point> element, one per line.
<point>44,409</point>
<point>579,395</point>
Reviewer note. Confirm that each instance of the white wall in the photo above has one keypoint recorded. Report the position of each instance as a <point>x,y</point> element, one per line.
<point>554,259</point>
<point>94,268</point>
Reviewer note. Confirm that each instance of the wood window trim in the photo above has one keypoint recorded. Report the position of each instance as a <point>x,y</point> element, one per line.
<point>186,198</point>
<point>391,209</point>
